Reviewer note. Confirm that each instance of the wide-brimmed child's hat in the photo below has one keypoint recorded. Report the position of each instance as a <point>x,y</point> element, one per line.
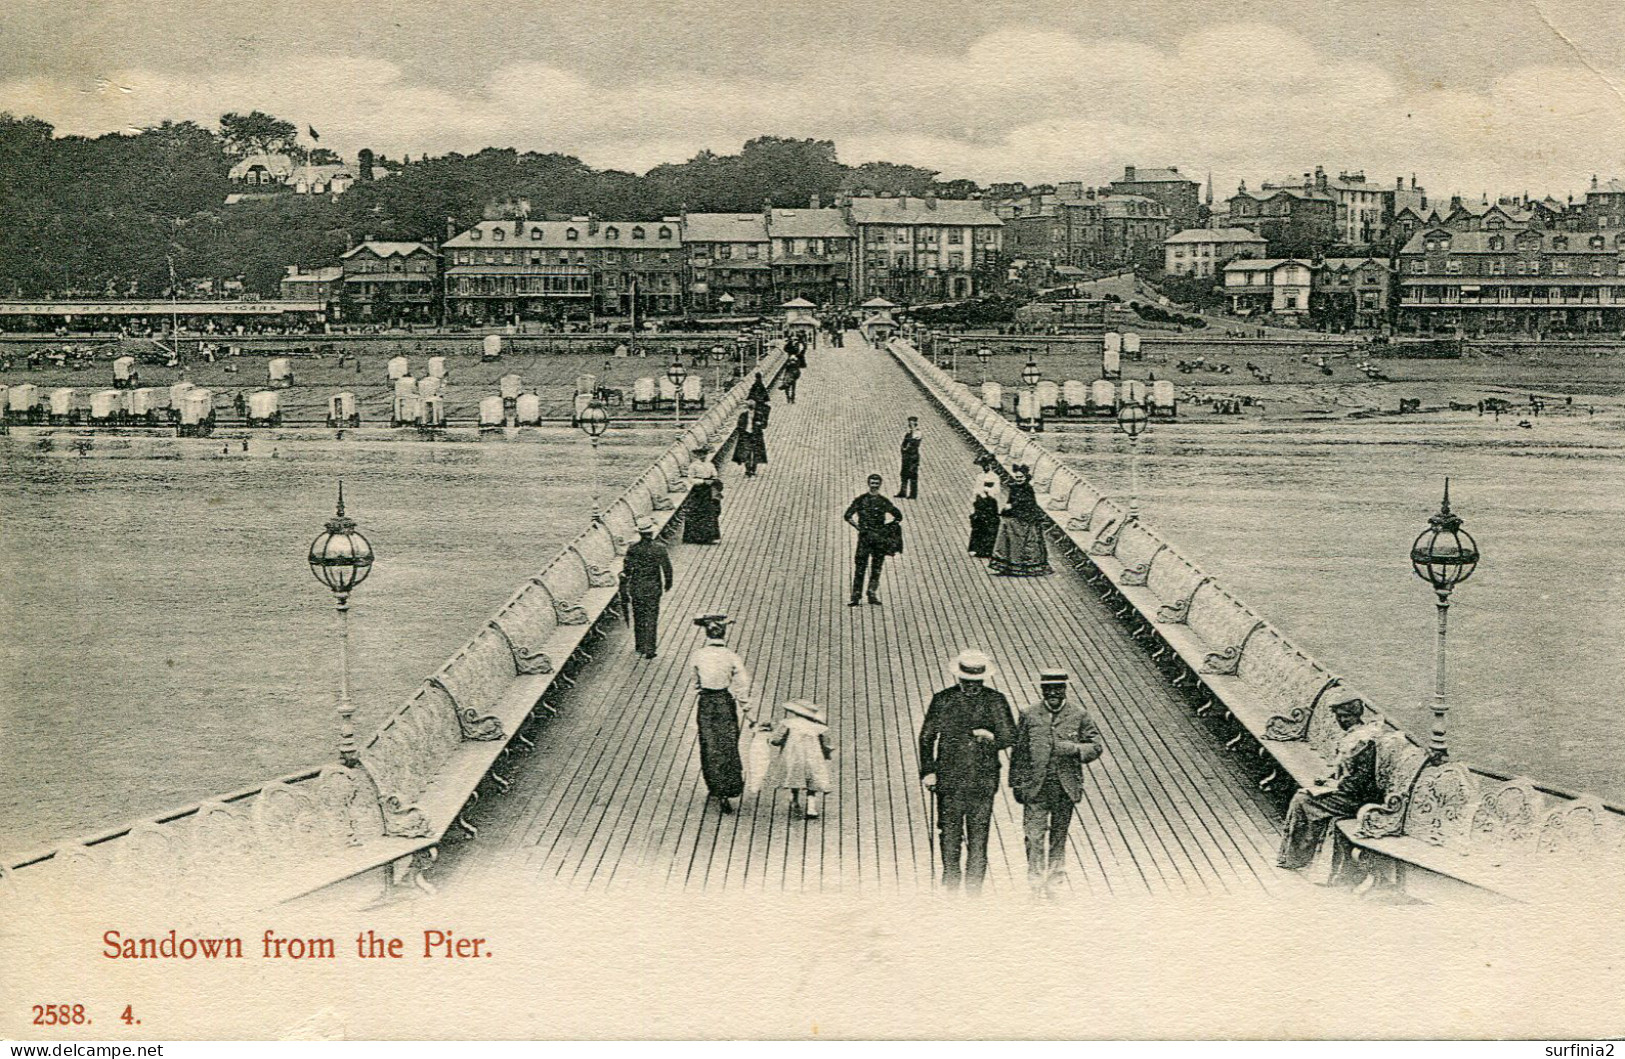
<point>802,708</point>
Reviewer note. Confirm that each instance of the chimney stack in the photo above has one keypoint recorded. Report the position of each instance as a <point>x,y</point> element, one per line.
<point>816,202</point>
<point>451,228</point>
<point>1128,174</point>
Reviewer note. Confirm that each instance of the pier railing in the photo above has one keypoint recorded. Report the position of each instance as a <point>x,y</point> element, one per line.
<point>1442,828</point>
<point>419,773</point>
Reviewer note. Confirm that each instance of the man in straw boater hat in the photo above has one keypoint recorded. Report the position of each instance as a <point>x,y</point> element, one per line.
<point>1055,739</point>
<point>645,577</point>
<point>724,688</point>
<point>965,728</point>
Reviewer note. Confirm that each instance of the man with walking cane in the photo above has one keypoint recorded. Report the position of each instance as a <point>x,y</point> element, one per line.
<point>645,577</point>
<point>965,728</point>
<point>1055,739</point>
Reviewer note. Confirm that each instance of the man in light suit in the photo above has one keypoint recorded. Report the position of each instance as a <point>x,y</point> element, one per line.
<point>1055,739</point>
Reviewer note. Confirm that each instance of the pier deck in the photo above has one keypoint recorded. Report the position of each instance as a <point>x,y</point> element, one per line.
<point>612,796</point>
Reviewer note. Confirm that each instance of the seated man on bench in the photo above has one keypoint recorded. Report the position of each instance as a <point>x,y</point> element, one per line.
<point>1314,810</point>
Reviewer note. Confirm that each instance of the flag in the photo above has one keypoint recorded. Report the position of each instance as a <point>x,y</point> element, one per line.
<point>312,130</point>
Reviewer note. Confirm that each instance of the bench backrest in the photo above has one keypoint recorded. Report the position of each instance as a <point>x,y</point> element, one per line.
<point>1289,680</point>
<point>1173,579</point>
<point>1136,546</point>
<point>529,621</point>
<point>693,388</point>
<point>1162,393</point>
<point>668,389</point>
<point>1218,618</point>
<point>479,675</point>
<point>1049,394</point>
<point>1102,394</point>
<point>407,752</point>
<point>992,394</point>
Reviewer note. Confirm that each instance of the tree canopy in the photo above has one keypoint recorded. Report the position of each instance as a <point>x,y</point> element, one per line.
<point>109,214</point>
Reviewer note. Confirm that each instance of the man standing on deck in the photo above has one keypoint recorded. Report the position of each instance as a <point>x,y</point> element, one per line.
<point>868,514</point>
<point>908,487</point>
<point>645,577</point>
<point>1055,739</point>
<point>965,728</point>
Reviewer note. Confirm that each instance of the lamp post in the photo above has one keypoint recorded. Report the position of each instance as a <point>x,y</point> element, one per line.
<point>1444,555</point>
<point>1132,419</point>
<point>984,355</point>
<point>1029,378</point>
<point>678,375</point>
<point>953,346</point>
<point>593,421</point>
<point>739,348</point>
<point>341,558</point>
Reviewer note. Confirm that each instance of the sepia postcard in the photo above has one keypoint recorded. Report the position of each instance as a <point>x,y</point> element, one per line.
<point>930,521</point>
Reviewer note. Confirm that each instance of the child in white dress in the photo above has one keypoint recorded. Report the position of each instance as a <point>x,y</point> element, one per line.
<point>802,764</point>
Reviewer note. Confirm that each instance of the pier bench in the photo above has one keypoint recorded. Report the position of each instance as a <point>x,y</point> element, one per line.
<point>1447,832</point>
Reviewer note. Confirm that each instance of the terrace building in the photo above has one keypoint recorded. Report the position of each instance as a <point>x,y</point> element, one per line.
<point>729,257</point>
<point>509,270</point>
<point>637,264</point>
<point>912,250</point>
<point>1604,206</point>
<point>391,281</point>
<point>320,285</point>
<point>1529,280</point>
<point>811,255</point>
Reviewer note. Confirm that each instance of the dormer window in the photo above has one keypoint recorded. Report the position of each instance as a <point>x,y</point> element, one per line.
<point>1497,243</point>
<point>665,232</point>
<point>496,233</point>
<point>612,233</point>
<point>571,235</point>
<point>637,233</point>
<point>535,233</point>
<point>1560,243</point>
<point>474,234</point>
<point>1597,242</point>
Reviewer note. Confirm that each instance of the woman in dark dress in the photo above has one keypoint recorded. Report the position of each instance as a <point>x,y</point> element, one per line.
<point>1020,550</point>
<point>750,449</point>
<point>984,517</point>
<point>702,524</point>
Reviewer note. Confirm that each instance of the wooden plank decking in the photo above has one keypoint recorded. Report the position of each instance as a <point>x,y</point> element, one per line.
<point>612,795</point>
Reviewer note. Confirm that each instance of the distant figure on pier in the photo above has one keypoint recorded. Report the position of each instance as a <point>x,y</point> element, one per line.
<point>759,396</point>
<point>702,522</point>
<point>908,485</point>
<point>1353,783</point>
<point>984,515</point>
<point>1020,550</point>
<point>789,378</point>
<point>750,450</point>
<point>965,728</point>
<point>802,763</point>
<point>1054,740</point>
<point>871,515</point>
<point>724,688</point>
<point>645,577</point>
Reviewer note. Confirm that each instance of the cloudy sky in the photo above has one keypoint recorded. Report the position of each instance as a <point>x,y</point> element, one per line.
<point>1471,95</point>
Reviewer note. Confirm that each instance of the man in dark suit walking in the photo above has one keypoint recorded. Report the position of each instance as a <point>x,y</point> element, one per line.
<point>645,577</point>
<point>869,514</point>
<point>965,728</point>
<point>908,487</point>
<point>1055,740</point>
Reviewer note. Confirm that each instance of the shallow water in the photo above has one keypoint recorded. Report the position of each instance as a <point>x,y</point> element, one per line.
<point>165,640</point>
<point>1311,525</point>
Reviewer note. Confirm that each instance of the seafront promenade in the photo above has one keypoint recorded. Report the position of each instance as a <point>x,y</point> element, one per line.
<point>612,795</point>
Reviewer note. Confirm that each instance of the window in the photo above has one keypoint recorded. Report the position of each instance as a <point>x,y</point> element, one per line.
<point>724,252</point>
<point>497,234</point>
<point>1418,266</point>
<point>1453,266</point>
<point>957,237</point>
<point>751,251</point>
<point>612,233</point>
<point>665,232</point>
<point>956,260</point>
<point>571,235</point>
<point>1560,243</point>
<point>1596,268</point>
<point>637,232</point>
<point>1497,242</point>
<point>507,257</point>
<point>535,233</point>
<point>1498,267</point>
<point>536,257</point>
<point>1597,242</point>
<point>1560,267</point>
<point>474,234</point>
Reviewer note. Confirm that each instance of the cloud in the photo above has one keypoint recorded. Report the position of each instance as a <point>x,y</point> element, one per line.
<point>1251,100</point>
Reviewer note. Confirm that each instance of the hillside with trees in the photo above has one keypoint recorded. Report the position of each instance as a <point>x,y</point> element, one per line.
<point>115,214</point>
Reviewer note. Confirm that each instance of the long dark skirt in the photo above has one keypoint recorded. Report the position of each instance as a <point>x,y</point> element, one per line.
<point>751,449</point>
<point>984,529</point>
<point>1020,550</point>
<point>718,717</point>
<point>702,522</point>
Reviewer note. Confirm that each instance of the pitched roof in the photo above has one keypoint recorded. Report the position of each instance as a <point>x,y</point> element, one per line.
<point>276,164</point>
<point>325,274</point>
<point>1339,264</point>
<point>1264,264</point>
<point>385,248</point>
<point>1215,235</point>
<point>724,228</point>
<point>556,234</point>
<point>1270,192</point>
<point>1609,187</point>
<point>1123,205</point>
<point>320,174</point>
<point>919,211</point>
<point>808,224</point>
